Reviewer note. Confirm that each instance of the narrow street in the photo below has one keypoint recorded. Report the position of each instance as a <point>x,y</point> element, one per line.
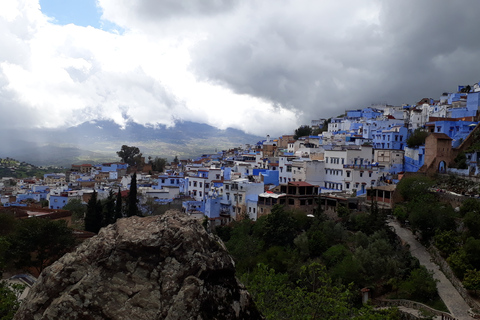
<point>447,292</point>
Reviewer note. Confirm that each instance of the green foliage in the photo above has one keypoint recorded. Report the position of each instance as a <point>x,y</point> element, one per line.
<point>471,220</point>
<point>400,212</point>
<point>278,229</point>
<point>447,241</point>
<point>335,255</point>
<point>7,223</point>
<point>130,155</point>
<point>458,261</point>
<point>430,216</point>
<point>469,205</point>
<point>243,246</point>
<point>4,245</point>
<point>378,260</point>
<point>420,285</point>
<point>8,300</point>
<point>472,251</point>
<point>93,216</point>
<point>108,209</point>
<point>414,187</point>
<point>78,210</point>
<point>132,205</point>
<point>313,296</point>
<point>158,164</point>
<point>417,138</point>
<point>460,161</point>
<point>119,206</point>
<point>38,242</point>
<point>471,281</point>
<point>302,131</point>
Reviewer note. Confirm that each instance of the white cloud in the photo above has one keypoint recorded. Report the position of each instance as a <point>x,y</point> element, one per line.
<point>264,67</point>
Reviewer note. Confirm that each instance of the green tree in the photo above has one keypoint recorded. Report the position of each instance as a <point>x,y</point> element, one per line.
<point>158,164</point>
<point>312,297</point>
<point>130,155</point>
<point>39,242</point>
<point>414,187</point>
<point>7,223</point>
<point>459,263</point>
<point>417,138</point>
<point>447,241</point>
<point>469,205</point>
<point>118,206</point>
<point>77,208</point>
<point>109,209</point>
<point>9,303</point>
<point>93,216</point>
<point>471,281</point>
<point>132,205</point>
<point>420,285</point>
<point>302,131</point>
<point>278,229</point>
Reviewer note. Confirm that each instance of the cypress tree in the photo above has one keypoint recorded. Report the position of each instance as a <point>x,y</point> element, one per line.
<point>132,197</point>
<point>109,209</point>
<point>93,216</point>
<point>118,206</point>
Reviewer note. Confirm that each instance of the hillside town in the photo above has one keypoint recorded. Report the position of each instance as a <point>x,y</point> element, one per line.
<point>355,156</point>
<point>340,174</point>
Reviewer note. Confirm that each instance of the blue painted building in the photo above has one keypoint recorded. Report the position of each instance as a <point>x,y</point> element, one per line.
<point>58,201</point>
<point>457,130</point>
<point>414,158</point>
<point>107,167</point>
<point>392,138</point>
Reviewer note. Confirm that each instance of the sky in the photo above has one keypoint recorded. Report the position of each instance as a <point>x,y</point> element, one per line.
<point>265,67</point>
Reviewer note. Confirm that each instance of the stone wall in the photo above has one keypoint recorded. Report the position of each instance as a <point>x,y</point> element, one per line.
<point>439,260</point>
<point>411,305</point>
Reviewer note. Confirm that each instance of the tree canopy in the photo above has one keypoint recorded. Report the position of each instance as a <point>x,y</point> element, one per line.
<point>302,131</point>
<point>417,138</point>
<point>130,155</point>
<point>38,242</point>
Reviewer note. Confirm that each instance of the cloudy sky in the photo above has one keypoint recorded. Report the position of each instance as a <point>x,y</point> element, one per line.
<point>265,67</point>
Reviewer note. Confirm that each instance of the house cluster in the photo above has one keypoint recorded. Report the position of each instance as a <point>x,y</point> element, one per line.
<point>360,154</point>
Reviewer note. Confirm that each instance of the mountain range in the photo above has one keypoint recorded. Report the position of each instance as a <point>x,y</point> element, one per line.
<point>98,141</point>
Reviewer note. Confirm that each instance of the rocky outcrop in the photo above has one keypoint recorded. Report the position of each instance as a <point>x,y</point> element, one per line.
<point>162,267</point>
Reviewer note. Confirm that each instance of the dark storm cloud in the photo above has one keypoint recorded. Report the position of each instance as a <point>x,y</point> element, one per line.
<point>414,49</point>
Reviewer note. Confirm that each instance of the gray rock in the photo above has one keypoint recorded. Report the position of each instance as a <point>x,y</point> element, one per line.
<point>162,267</point>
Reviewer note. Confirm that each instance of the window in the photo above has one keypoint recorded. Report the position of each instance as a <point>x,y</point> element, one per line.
<point>227,186</point>
<point>253,210</point>
<point>361,174</point>
<point>207,185</point>
<point>348,174</point>
<point>370,174</point>
<point>200,184</point>
<point>347,185</point>
<point>200,193</point>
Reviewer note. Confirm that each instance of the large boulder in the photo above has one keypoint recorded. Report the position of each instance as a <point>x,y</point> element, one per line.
<point>161,267</point>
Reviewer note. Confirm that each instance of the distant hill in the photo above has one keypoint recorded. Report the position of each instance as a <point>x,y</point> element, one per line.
<point>98,141</point>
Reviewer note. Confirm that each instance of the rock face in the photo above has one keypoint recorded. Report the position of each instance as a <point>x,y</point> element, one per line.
<point>162,267</point>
